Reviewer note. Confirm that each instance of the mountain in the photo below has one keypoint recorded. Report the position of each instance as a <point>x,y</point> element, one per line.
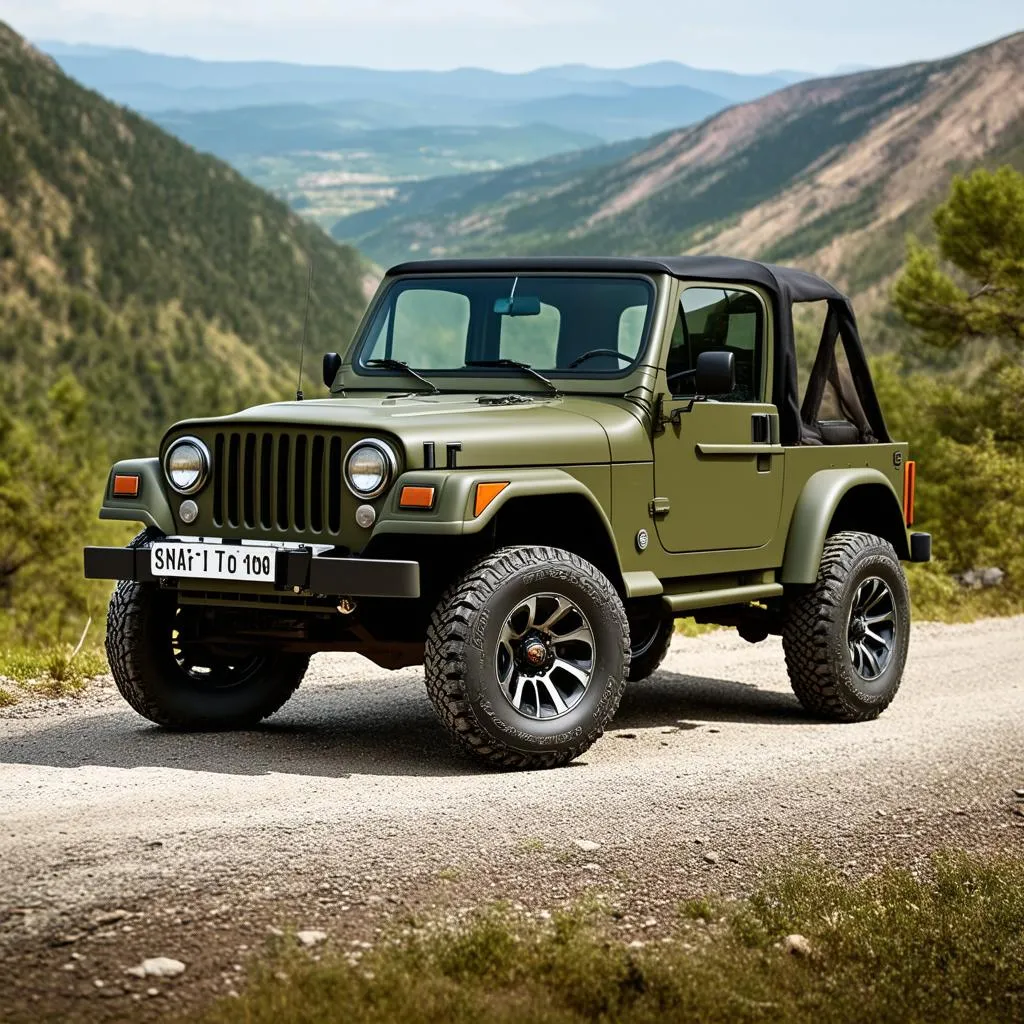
<point>829,173</point>
<point>150,82</point>
<point>641,111</point>
<point>161,279</point>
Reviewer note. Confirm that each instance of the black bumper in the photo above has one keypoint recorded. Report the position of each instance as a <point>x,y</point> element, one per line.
<point>295,567</point>
<point>920,547</point>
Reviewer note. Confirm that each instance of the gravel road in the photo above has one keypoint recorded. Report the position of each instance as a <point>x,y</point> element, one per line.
<point>348,810</point>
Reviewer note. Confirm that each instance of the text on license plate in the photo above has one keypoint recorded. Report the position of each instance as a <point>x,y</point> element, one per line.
<point>213,562</point>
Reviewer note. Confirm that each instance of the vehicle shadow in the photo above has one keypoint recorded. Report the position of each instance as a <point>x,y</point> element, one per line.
<point>670,698</point>
<point>338,731</point>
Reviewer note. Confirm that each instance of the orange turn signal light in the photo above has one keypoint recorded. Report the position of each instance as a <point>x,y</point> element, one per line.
<point>416,497</point>
<point>909,487</point>
<point>126,486</point>
<point>485,494</point>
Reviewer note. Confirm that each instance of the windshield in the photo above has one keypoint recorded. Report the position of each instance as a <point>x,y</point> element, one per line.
<point>579,326</point>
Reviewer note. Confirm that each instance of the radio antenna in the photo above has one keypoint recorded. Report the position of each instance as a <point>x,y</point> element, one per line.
<point>305,330</point>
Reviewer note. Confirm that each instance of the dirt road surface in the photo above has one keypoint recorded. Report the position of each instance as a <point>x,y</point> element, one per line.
<point>349,813</point>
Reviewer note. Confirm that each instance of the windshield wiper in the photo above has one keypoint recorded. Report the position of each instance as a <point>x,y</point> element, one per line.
<point>397,364</point>
<point>515,364</point>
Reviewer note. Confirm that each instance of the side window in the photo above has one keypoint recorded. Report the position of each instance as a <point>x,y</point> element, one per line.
<point>427,328</point>
<point>532,339</point>
<point>719,319</point>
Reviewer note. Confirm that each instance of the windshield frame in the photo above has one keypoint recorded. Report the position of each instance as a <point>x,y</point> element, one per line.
<point>451,379</point>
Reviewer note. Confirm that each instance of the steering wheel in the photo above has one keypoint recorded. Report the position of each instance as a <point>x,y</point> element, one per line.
<point>594,352</point>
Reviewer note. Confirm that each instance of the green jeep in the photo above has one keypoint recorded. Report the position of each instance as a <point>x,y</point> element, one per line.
<point>524,471</point>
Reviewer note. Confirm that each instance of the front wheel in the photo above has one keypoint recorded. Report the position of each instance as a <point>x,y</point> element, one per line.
<point>846,637</point>
<point>526,657</point>
<point>164,671</point>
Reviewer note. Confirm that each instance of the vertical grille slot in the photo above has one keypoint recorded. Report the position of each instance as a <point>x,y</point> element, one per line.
<point>234,443</point>
<point>283,490</point>
<point>316,490</point>
<point>265,480</point>
<point>334,486</point>
<point>249,481</point>
<point>301,480</point>
<point>218,480</point>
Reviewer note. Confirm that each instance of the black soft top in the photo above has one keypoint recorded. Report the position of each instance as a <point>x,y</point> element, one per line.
<point>786,286</point>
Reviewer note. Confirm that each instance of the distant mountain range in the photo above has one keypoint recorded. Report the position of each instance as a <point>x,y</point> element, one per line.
<point>830,173</point>
<point>152,82</point>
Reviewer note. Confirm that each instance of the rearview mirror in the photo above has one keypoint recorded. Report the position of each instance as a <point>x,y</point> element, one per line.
<point>520,305</point>
<point>716,373</point>
<point>332,364</point>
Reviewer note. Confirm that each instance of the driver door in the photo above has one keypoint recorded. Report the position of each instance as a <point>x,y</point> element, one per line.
<point>718,464</point>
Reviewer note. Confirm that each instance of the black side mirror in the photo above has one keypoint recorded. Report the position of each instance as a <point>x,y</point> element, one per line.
<point>332,364</point>
<point>716,373</point>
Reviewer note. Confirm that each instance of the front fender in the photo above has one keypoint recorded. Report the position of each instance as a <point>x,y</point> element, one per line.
<point>816,508</point>
<point>150,507</point>
<point>454,513</point>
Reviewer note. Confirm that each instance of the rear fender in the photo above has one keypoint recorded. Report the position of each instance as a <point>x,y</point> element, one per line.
<point>841,499</point>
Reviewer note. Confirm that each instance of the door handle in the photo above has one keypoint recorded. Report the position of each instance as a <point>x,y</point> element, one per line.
<point>740,450</point>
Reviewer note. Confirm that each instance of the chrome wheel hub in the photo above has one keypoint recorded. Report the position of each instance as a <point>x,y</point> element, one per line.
<point>871,631</point>
<point>545,656</point>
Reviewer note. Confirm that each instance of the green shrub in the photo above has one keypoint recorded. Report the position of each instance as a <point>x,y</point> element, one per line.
<point>895,946</point>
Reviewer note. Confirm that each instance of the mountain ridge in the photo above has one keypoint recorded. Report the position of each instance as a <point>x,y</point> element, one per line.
<point>821,172</point>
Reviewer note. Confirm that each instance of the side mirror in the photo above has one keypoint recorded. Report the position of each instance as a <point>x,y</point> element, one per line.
<point>716,373</point>
<point>332,364</point>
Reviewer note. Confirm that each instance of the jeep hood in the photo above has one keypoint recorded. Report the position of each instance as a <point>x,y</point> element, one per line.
<point>565,430</point>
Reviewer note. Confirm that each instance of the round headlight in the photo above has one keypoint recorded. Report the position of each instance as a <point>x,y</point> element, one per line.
<point>187,465</point>
<point>369,468</point>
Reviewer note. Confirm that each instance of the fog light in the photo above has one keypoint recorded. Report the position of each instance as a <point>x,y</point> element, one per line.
<point>366,516</point>
<point>188,511</point>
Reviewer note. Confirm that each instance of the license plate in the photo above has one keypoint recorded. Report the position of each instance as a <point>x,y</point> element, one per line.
<point>213,562</point>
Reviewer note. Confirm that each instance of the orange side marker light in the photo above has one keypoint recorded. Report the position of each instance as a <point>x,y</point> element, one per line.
<point>485,494</point>
<point>126,486</point>
<point>416,497</point>
<point>909,486</point>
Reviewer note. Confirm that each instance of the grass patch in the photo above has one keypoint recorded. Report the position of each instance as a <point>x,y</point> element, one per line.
<point>57,671</point>
<point>947,947</point>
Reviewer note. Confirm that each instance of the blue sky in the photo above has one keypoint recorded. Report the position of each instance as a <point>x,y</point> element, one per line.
<point>514,35</point>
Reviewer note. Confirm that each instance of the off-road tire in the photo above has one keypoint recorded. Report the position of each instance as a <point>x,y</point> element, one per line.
<point>461,677</point>
<point>649,647</point>
<point>148,677</point>
<point>815,631</point>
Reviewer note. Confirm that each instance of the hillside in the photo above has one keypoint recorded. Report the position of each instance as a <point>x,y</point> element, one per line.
<point>830,173</point>
<point>165,282</point>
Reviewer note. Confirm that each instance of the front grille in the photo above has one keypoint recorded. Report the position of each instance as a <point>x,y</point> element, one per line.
<point>277,483</point>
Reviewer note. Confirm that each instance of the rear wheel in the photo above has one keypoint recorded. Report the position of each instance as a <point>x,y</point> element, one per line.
<point>846,638</point>
<point>166,673</point>
<point>526,657</point>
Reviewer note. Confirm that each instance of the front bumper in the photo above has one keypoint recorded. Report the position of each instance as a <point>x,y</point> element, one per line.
<point>295,569</point>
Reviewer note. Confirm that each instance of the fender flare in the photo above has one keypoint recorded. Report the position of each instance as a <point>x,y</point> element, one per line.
<point>150,507</point>
<point>813,514</point>
<point>453,513</point>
